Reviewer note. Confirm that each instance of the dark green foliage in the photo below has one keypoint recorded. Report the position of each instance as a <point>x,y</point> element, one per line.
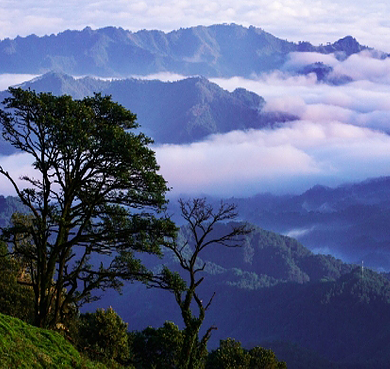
<point>157,348</point>
<point>160,348</point>
<point>92,202</point>
<point>103,336</point>
<point>261,358</point>
<point>16,299</point>
<point>248,280</point>
<point>231,355</point>
<point>362,285</point>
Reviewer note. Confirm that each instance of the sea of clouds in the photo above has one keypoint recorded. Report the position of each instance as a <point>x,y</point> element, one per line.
<point>341,134</point>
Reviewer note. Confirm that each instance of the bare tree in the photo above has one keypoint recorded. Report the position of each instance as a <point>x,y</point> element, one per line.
<point>201,219</point>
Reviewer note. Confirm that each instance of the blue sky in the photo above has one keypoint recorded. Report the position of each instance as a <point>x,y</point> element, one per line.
<point>305,20</point>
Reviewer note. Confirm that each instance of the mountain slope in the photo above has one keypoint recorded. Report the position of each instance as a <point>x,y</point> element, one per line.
<point>346,321</point>
<point>171,112</point>
<point>350,221</point>
<point>218,50</point>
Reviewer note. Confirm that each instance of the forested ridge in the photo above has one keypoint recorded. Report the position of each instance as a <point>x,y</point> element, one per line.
<point>218,50</point>
<point>183,111</point>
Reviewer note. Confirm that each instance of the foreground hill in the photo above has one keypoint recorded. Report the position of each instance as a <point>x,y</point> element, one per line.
<point>25,346</point>
<point>218,50</point>
<point>171,112</point>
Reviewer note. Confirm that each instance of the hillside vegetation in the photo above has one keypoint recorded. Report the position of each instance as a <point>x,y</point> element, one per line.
<point>306,307</point>
<point>25,346</point>
<point>274,290</point>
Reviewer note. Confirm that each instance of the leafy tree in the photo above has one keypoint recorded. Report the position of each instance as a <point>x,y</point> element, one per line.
<point>261,358</point>
<point>231,355</point>
<point>157,348</point>
<point>103,336</point>
<point>92,199</point>
<point>201,219</point>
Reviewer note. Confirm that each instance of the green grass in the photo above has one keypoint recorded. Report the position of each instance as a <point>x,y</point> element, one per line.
<point>25,346</point>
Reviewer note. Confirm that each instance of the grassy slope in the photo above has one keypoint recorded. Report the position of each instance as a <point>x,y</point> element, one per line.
<point>25,346</point>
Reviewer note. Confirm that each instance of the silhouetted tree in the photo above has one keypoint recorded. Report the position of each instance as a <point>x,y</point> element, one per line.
<point>92,199</point>
<point>200,218</point>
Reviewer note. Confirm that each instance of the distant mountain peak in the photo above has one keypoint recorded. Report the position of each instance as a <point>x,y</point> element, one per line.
<point>349,45</point>
<point>221,50</point>
<point>183,111</point>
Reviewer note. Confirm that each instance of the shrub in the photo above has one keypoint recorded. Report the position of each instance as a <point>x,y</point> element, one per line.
<point>103,336</point>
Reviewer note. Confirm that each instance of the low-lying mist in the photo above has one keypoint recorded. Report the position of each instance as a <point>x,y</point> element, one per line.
<point>341,135</point>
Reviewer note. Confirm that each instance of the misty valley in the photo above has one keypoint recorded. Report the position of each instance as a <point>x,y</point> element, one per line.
<point>295,135</point>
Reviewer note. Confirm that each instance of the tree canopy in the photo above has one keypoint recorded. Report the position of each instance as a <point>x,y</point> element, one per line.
<point>93,198</point>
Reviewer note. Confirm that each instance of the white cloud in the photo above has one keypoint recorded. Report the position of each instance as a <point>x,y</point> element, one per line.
<point>291,158</point>
<point>340,137</point>
<point>7,80</point>
<point>17,165</point>
<point>297,60</point>
<point>362,102</point>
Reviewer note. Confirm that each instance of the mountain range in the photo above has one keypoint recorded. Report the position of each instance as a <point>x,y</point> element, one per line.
<point>312,310</point>
<point>171,112</point>
<point>214,51</point>
<point>350,221</point>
